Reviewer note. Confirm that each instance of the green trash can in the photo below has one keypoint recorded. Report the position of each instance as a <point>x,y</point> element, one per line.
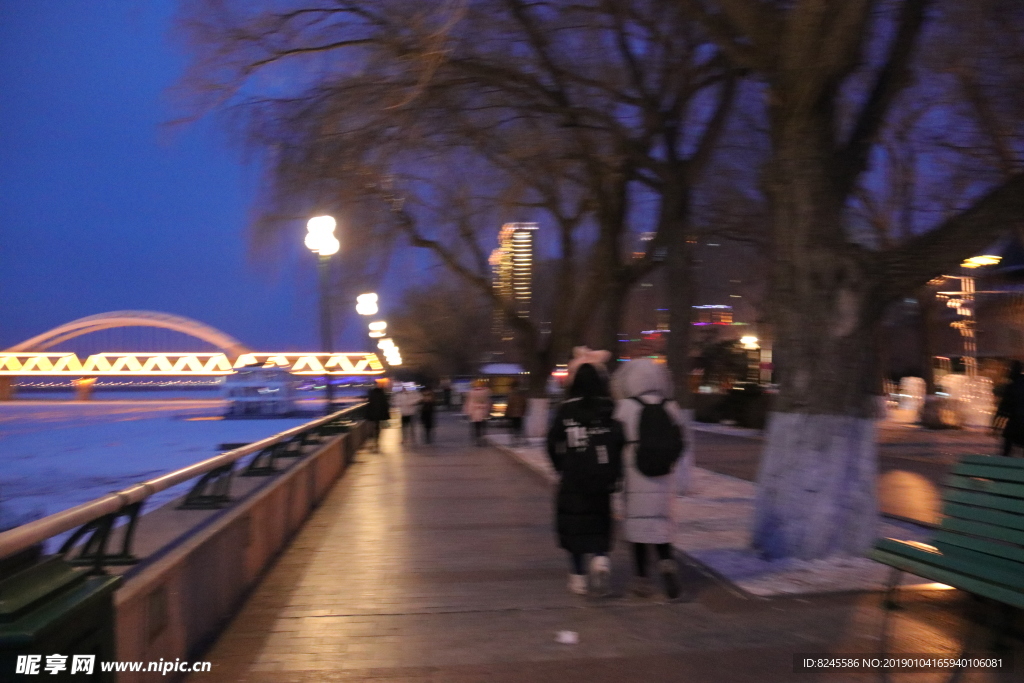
<point>56,623</point>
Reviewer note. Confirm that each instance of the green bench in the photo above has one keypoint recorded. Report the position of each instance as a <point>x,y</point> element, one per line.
<point>979,546</point>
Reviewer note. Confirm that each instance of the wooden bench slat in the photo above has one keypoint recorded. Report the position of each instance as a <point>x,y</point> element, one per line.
<point>981,567</point>
<point>984,500</point>
<point>982,530</point>
<point>951,578</point>
<point>986,486</point>
<point>997,517</point>
<point>994,460</point>
<point>967,555</point>
<point>988,471</point>
<point>980,545</point>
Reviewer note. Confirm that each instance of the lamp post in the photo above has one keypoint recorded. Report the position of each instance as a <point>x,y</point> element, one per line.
<point>320,240</point>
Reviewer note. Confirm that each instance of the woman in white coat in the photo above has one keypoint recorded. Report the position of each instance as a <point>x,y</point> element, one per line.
<point>648,500</point>
<point>478,409</point>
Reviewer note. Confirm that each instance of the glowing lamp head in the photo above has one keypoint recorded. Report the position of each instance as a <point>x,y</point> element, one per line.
<point>385,344</point>
<point>749,342</point>
<point>366,304</point>
<point>979,261</point>
<point>320,237</point>
<point>321,225</point>
<point>378,326</point>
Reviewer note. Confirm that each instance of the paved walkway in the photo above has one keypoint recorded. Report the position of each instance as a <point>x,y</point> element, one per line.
<point>437,563</point>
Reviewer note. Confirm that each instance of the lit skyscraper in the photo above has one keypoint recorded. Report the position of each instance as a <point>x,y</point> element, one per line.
<point>512,267</point>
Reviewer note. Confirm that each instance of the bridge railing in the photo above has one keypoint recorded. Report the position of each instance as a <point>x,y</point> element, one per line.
<point>95,520</point>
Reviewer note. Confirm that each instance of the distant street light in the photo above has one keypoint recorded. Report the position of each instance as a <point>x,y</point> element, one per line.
<point>320,240</point>
<point>391,354</point>
<point>366,304</point>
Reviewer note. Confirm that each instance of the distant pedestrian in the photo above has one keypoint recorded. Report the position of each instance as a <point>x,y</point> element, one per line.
<point>378,410</point>
<point>407,402</point>
<point>585,446</point>
<point>1011,409</point>
<point>427,404</point>
<point>654,472</point>
<point>477,408</point>
<point>446,393</point>
<point>515,409</point>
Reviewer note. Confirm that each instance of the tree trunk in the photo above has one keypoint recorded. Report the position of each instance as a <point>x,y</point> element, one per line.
<point>816,488</point>
<point>611,321</point>
<point>818,469</point>
<point>680,289</point>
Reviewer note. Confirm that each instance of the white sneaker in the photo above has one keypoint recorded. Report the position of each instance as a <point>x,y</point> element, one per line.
<point>600,575</point>
<point>578,584</point>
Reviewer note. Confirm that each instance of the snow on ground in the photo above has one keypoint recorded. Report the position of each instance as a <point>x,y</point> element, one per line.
<point>55,455</point>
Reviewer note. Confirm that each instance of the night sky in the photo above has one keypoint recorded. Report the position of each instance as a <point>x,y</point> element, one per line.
<point>103,207</point>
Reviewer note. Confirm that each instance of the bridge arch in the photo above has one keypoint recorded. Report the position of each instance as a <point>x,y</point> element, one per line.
<point>105,321</point>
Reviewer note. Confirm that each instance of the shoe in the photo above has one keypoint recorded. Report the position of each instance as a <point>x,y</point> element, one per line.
<point>600,575</point>
<point>578,584</point>
<point>669,571</point>
<point>641,587</point>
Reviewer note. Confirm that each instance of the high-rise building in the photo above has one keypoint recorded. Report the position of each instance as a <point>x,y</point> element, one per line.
<point>512,272</point>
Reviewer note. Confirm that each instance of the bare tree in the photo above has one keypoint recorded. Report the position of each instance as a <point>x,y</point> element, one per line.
<point>438,339</point>
<point>832,72</point>
<point>577,108</point>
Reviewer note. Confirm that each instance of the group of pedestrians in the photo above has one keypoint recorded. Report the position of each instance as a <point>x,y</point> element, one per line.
<point>410,404</point>
<point>619,433</point>
<point>599,444</point>
<point>478,406</point>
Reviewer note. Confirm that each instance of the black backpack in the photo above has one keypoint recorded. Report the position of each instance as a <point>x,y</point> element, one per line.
<point>593,459</point>
<point>660,441</point>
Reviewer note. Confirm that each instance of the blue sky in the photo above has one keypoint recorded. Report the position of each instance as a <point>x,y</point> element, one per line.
<point>103,208</point>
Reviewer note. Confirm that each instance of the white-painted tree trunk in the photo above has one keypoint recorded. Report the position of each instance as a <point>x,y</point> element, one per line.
<point>537,417</point>
<point>816,493</point>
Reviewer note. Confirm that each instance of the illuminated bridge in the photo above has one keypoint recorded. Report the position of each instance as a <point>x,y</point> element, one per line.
<point>35,358</point>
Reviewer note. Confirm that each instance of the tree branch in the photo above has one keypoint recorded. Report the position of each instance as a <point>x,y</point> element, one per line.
<point>918,260</point>
<point>891,79</point>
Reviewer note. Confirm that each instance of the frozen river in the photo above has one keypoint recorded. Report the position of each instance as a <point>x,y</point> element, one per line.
<point>57,454</point>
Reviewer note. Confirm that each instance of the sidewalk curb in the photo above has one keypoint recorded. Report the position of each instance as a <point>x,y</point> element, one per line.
<point>545,476</point>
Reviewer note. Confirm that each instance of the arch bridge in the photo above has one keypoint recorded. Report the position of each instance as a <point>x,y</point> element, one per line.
<point>32,357</point>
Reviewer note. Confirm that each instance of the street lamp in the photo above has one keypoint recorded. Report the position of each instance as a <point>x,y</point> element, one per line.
<point>377,329</point>
<point>320,240</point>
<point>366,304</point>
<point>390,351</point>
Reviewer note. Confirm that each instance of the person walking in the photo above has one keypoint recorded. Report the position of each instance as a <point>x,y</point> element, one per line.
<point>1011,409</point>
<point>585,446</point>
<point>407,402</point>
<point>477,408</point>
<point>654,472</point>
<point>378,409</point>
<point>515,409</point>
<point>427,405</point>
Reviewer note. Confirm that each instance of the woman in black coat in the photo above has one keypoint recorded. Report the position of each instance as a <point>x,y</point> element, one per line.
<point>585,447</point>
<point>378,409</point>
<point>1011,407</point>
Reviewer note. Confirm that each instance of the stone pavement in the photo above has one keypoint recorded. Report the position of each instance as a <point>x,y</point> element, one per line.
<point>437,563</point>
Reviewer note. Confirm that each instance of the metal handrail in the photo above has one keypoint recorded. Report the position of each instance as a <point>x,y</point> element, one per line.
<point>36,531</point>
